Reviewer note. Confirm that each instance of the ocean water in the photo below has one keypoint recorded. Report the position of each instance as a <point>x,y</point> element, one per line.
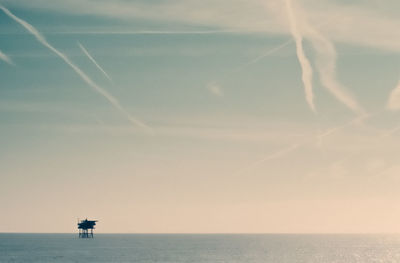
<point>199,248</point>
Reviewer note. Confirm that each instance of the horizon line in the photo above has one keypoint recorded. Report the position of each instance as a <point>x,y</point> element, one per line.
<point>214,233</point>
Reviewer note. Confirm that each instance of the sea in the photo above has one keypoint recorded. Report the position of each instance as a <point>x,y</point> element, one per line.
<point>197,248</point>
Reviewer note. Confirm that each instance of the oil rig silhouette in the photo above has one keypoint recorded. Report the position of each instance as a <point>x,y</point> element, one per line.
<point>84,226</point>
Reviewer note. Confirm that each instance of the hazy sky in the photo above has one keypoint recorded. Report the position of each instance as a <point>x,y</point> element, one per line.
<point>200,115</point>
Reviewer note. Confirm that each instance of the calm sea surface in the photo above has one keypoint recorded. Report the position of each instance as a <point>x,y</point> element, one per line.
<point>199,248</point>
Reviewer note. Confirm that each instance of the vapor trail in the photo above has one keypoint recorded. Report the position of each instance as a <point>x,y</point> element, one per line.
<point>325,58</point>
<point>5,58</point>
<point>307,72</point>
<point>279,153</point>
<point>254,60</point>
<point>326,66</point>
<point>291,148</point>
<point>377,139</point>
<point>272,156</point>
<point>265,54</point>
<point>94,61</point>
<point>358,119</point>
<point>81,74</point>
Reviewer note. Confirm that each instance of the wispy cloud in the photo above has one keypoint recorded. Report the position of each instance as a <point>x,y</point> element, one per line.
<point>5,58</point>
<point>307,72</point>
<point>81,74</point>
<point>84,50</point>
<point>394,99</point>
<point>391,132</point>
<point>215,89</point>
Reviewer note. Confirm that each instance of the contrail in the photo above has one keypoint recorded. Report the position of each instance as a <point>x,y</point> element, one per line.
<point>272,156</point>
<point>358,119</point>
<point>307,72</point>
<point>394,99</point>
<point>5,58</point>
<point>279,153</point>
<point>326,66</point>
<point>272,51</point>
<point>94,61</point>
<point>295,146</point>
<point>255,60</point>
<point>265,54</point>
<point>147,32</point>
<point>81,74</point>
<point>377,139</point>
<point>325,58</point>
<point>325,61</point>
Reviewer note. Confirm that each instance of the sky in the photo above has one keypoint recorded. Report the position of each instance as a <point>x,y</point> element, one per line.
<point>212,116</point>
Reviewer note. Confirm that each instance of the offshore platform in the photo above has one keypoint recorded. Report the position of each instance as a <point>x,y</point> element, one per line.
<point>84,226</point>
